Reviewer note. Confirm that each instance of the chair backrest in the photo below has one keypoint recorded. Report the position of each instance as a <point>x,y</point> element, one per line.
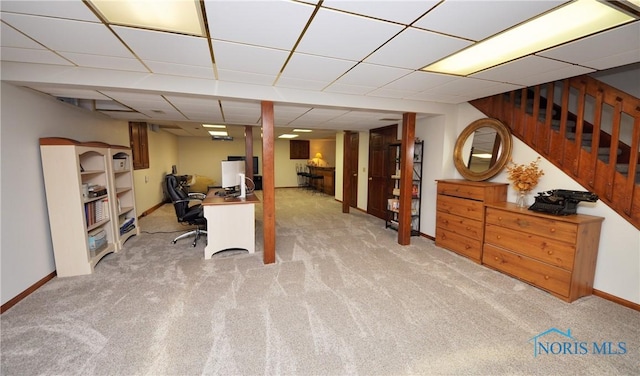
<point>177,193</point>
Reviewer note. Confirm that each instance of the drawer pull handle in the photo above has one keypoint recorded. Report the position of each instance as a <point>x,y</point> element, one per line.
<point>552,229</point>
<point>499,218</point>
<point>546,277</point>
<point>446,222</point>
<point>467,246</point>
<point>467,228</point>
<point>549,253</point>
<point>498,237</point>
<point>496,258</point>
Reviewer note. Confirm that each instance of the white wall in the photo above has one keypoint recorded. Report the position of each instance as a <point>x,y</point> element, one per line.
<point>618,266</point>
<point>26,252</point>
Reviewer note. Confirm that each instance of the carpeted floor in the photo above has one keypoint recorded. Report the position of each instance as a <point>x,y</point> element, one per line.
<point>343,298</point>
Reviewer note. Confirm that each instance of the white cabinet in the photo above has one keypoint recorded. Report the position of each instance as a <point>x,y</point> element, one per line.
<point>81,188</point>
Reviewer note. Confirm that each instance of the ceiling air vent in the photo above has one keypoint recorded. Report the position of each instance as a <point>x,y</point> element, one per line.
<point>222,138</point>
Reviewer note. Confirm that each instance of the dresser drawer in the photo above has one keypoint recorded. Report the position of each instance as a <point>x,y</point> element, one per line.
<point>531,224</point>
<point>461,190</point>
<point>468,247</point>
<point>460,225</point>
<point>459,206</point>
<point>550,251</point>
<point>545,276</point>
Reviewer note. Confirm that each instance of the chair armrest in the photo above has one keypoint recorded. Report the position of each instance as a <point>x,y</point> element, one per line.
<point>197,196</point>
<point>187,200</point>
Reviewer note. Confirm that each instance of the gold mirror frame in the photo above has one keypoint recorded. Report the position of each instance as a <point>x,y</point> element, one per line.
<point>505,153</point>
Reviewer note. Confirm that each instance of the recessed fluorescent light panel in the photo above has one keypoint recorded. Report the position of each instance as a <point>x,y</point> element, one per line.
<point>218,133</point>
<point>302,130</point>
<point>181,16</point>
<point>288,135</point>
<point>214,126</point>
<point>567,23</point>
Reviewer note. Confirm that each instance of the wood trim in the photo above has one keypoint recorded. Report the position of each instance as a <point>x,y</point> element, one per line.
<point>248,147</point>
<point>346,179</point>
<point>27,292</point>
<point>151,210</point>
<point>268,183</point>
<point>615,299</point>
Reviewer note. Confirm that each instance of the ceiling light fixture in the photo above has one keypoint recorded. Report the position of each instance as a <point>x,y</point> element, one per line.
<point>567,23</point>
<point>218,133</point>
<point>214,126</point>
<point>288,135</point>
<point>182,17</point>
<point>303,130</point>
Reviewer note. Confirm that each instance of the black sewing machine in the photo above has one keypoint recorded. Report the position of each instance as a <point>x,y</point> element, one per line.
<point>561,201</point>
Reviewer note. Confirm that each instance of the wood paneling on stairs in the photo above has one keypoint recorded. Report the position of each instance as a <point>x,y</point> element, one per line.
<point>585,127</point>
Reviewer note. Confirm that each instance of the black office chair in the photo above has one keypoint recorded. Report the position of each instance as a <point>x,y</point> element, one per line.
<point>192,215</point>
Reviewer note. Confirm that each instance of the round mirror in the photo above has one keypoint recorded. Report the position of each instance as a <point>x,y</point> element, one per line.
<point>482,149</point>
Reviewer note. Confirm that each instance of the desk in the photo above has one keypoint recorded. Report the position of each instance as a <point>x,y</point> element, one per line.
<point>230,223</point>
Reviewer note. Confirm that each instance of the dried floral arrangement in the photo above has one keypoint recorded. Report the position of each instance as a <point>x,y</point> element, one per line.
<point>524,177</point>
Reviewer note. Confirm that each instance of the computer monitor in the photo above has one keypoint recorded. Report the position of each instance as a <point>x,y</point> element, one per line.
<point>232,174</point>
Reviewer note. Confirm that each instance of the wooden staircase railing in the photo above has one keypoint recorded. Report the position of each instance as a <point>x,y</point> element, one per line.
<point>585,127</point>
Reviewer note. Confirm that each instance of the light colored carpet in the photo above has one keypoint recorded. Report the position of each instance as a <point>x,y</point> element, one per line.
<point>343,299</point>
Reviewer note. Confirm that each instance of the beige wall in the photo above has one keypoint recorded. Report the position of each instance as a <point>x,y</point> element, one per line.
<point>202,156</point>
<point>163,153</point>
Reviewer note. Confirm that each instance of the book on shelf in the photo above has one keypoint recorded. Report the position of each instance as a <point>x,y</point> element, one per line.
<point>127,225</point>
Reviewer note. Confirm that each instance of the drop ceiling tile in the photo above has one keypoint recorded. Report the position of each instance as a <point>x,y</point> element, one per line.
<point>435,97</point>
<point>404,12</point>
<point>166,47</point>
<point>275,24</point>
<point>316,68</point>
<point>125,115</point>
<point>74,10</point>
<point>420,81</point>
<point>10,37</point>
<point>390,93</point>
<point>162,114</point>
<point>296,83</point>
<point>531,70</point>
<point>188,104</point>
<point>181,69</point>
<point>620,42</point>
<point>203,117</point>
<point>69,36</point>
<point>415,48</point>
<point>68,92</point>
<point>105,62</point>
<point>345,36</point>
<point>250,59</point>
<point>348,89</point>
<point>477,20</point>
<point>244,77</point>
<point>463,86</point>
<point>372,75</point>
<point>27,55</point>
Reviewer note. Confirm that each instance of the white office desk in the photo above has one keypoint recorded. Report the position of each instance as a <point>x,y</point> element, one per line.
<point>230,223</point>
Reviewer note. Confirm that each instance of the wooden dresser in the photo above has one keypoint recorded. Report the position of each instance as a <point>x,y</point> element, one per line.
<point>460,214</point>
<point>555,253</point>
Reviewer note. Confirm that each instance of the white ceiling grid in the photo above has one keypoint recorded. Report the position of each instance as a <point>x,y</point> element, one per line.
<point>327,65</point>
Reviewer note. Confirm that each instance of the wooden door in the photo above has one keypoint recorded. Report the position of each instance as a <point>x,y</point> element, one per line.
<point>380,187</point>
<point>353,168</point>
